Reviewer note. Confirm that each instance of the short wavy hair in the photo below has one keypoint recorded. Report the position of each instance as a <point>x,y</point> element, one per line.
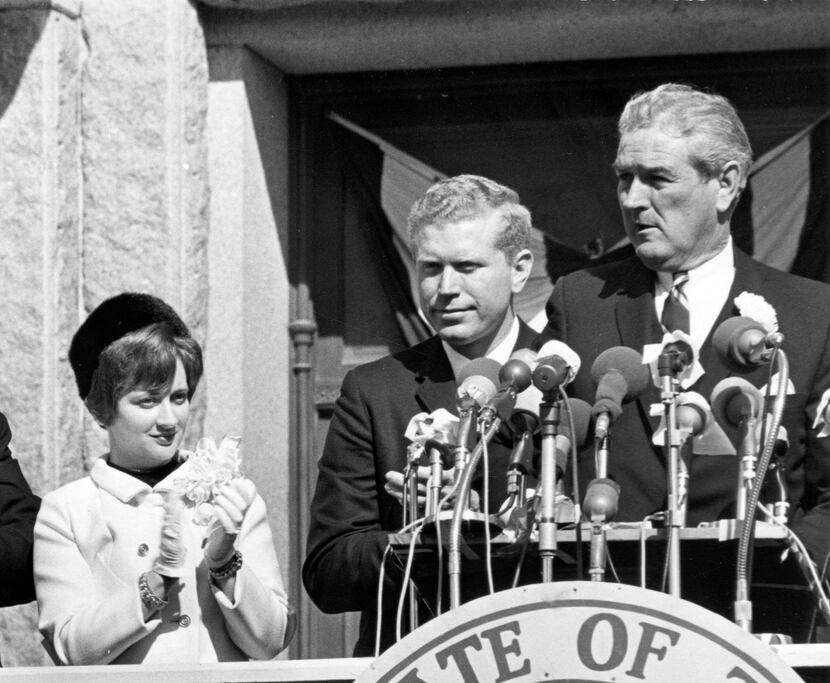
<point>467,196</point>
<point>709,121</point>
<point>142,359</point>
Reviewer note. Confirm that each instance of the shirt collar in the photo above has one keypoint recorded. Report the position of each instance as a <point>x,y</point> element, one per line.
<point>720,262</point>
<point>500,354</point>
<point>127,488</point>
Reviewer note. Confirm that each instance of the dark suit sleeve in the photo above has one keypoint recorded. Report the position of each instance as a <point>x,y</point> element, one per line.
<point>346,540</point>
<point>814,526</point>
<point>18,509</point>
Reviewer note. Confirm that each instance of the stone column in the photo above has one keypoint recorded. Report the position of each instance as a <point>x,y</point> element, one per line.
<point>41,56</point>
<point>103,188</point>
<point>248,358</point>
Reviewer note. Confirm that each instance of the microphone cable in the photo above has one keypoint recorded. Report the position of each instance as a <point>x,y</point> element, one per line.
<point>779,360</point>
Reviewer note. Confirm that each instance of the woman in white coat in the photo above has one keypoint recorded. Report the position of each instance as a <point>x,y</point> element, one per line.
<point>157,556</point>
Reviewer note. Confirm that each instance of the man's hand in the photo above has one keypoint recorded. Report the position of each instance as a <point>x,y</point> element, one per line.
<point>395,483</point>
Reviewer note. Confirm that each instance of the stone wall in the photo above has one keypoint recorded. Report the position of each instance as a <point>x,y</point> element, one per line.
<point>104,188</point>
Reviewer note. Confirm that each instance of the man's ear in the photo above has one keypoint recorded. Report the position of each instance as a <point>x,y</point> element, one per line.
<point>522,265</point>
<point>730,183</point>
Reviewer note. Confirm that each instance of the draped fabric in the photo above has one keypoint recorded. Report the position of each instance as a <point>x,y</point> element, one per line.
<point>782,219</point>
<point>364,170</point>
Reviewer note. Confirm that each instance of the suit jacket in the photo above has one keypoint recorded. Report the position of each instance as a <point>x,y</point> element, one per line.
<point>613,305</point>
<point>351,514</point>
<point>18,509</point>
<point>96,535</point>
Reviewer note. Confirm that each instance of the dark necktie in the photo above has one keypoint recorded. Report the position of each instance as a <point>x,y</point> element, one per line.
<point>675,313</point>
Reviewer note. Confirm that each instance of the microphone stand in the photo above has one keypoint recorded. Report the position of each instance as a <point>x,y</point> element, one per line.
<point>672,360</point>
<point>600,506</point>
<point>414,452</point>
<point>743,604</point>
<point>467,408</point>
<point>464,486</point>
<point>549,415</point>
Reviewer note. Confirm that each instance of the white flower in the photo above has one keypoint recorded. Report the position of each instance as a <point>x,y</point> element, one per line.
<point>208,469</point>
<point>756,307</point>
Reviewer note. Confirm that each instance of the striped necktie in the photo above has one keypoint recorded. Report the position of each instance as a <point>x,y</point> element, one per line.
<point>675,313</point>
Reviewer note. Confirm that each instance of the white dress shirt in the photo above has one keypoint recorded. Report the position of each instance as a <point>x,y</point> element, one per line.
<point>501,353</point>
<point>705,292</point>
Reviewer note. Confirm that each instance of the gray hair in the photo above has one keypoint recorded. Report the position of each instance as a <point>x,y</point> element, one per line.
<point>710,121</point>
<point>467,196</point>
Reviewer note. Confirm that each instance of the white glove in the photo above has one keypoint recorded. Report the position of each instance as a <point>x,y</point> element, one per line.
<point>172,549</point>
<point>229,507</point>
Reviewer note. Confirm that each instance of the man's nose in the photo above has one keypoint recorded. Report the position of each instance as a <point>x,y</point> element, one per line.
<point>448,284</point>
<point>635,195</point>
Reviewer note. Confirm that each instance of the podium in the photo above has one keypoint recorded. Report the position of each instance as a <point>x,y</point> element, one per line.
<point>781,598</point>
<point>579,631</point>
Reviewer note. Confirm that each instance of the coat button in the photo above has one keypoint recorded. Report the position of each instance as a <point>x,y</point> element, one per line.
<point>184,621</point>
<point>143,549</point>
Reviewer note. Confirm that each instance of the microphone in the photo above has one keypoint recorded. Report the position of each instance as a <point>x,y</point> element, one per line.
<point>693,413</point>
<point>676,356</point>
<point>733,400</point>
<point>619,376</point>
<point>742,344</point>
<point>695,419</point>
<point>514,377</point>
<point>477,382</point>
<point>556,365</point>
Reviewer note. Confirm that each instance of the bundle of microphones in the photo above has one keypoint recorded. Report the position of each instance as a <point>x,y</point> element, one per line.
<point>491,396</point>
<point>526,400</point>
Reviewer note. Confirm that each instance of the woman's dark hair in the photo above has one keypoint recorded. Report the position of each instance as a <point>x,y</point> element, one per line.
<point>142,359</point>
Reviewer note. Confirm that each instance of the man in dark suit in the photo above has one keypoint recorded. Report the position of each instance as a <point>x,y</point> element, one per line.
<point>18,509</point>
<point>681,164</point>
<point>470,240</point>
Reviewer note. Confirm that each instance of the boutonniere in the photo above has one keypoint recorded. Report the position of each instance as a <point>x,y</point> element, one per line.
<point>759,309</point>
<point>208,468</point>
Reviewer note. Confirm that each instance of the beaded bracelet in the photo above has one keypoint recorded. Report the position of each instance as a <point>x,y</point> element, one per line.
<point>229,568</point>
<point>148,596</point>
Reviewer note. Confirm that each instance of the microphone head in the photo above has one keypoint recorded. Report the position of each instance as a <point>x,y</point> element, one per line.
<point>734,399</point>
<point>693,412</point>
<point>601,499</point>
<point>626,363</point>
<point>611,392</point>
<point>556,365</point>
<point>554,347</point>
<point>515,373</point>
<point>735,341</point>
<point>479,380</point>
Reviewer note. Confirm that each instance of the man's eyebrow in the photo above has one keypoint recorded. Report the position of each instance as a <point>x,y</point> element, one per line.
<point>660,170</point>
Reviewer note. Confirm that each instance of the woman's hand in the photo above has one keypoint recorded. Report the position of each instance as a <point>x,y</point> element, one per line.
<point>229,507</point>
<point>172,550</point>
